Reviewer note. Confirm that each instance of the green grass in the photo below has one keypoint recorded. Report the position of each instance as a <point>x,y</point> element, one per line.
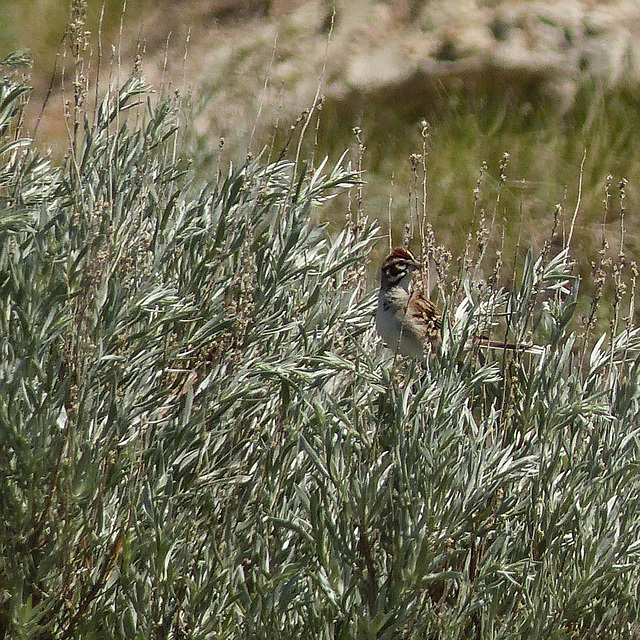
<point>546,150</point>
<point>40,25</point>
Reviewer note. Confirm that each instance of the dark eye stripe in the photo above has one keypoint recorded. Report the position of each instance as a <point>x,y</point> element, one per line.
<point>396,269</point>
<point>399,264</point>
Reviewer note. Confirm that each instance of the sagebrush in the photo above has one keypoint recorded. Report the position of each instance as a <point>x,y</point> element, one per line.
<point>202,438</point>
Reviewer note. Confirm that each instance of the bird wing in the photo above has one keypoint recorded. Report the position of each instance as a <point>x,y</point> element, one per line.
<point>425,316</point>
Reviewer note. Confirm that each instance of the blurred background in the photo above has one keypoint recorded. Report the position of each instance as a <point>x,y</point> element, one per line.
<point>554,84</point>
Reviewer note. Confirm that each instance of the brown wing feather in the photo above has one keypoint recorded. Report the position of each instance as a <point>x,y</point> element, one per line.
<point>426,316</point>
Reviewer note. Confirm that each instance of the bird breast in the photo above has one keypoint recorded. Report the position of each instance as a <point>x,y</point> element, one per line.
<point>392,325</point>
